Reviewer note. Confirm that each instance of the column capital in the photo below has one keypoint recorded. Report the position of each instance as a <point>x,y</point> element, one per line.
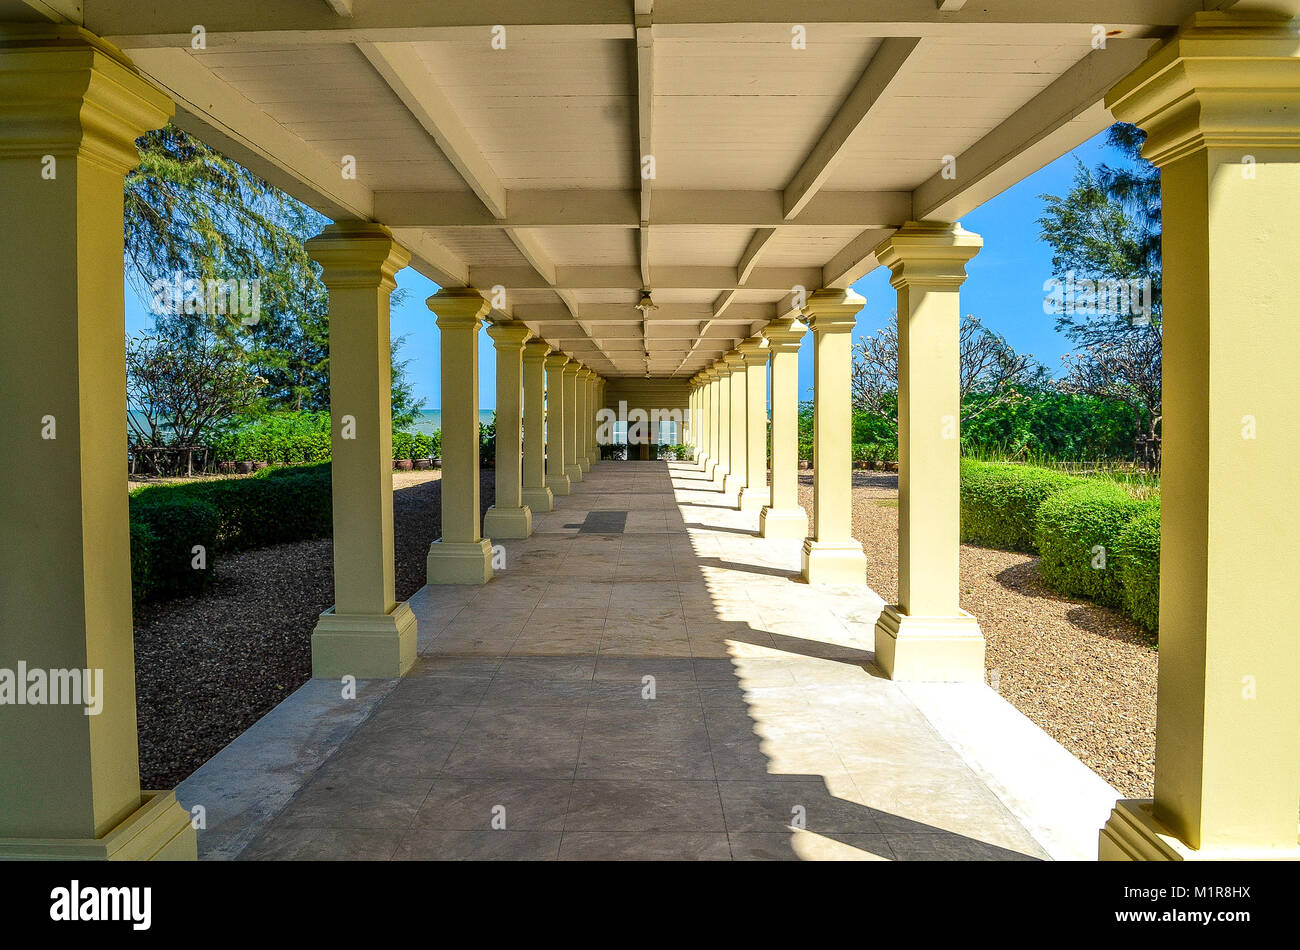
<point>557,360</point>
<point>933,253</point>
<point>833,311</point>
<point>1227,79</point>
<point>507,336</point>
<point>357,254</point>
<point>754,350</point>
<point>734,360</point>
<point>536,351</point>
<point>784,336</point>
<point>66,92</point>
<point>572,367</point>
<point>458,307</point>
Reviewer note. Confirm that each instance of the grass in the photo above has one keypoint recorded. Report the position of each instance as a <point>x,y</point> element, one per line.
<point>1143,484</point>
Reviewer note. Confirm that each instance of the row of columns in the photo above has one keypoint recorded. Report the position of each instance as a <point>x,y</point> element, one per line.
<point>1227,739</point>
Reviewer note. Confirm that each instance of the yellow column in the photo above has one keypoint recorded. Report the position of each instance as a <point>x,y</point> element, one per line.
<point>462,555</point>
<point>556,478</point>
<point>737,421</point>
<point>367,633</point>
<point>784,517</point>
<point>692,423</point>
<point>585,411</point>
<point>535,493</point>
<point>509,517</point>
<point>926,636</point>
<point>711,421</point>
<point>1221,106</point>
<point>831,555</point>
<point>594,453</point>
<point>70,110</point>
<point>723,373</point>
<point>570,377</point>
<point>756,494</point>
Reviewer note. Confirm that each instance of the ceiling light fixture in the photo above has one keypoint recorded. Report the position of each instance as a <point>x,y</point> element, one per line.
<point>646,303</point>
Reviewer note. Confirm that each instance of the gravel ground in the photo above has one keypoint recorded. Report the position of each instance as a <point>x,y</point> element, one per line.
<point>208,667</point>
<point>1085,674</point>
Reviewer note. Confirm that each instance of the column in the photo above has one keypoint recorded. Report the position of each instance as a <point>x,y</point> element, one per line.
<point>784,517</point>
<point>710,422</point>
<point>1221,106</point>
<point>556,478</point>
<point>594,451</point>
<point>756,494</point>
<point>831,555</point>
<point>535,493</point>
<point>570,382</point>
<point>584,411</point>
<point>509,517</point>
<point>737,420</point>
<point>692,424</point>
<point>71,785</point>
<point>723,416</point>
<point>462,555</point>
<point>926,636</point>
<point>367,633</point>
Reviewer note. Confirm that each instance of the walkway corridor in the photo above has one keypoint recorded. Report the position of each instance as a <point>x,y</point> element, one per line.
<point>645,679</point>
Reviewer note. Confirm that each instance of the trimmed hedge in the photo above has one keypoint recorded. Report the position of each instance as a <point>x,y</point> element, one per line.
<point>1077,531</point>
<point>1137,549</point>
<point>276,507</point>
<point>164,533</point>
<point>999,503</point>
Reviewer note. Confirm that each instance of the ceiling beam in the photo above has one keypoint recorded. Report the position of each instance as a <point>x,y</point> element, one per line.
<point>614,208</point>
<point>885,66</point>
<point>341,7</point>
<point>618,277</point>
<point>406,74</point>
<point>855,260</point>
<point>645,104</point>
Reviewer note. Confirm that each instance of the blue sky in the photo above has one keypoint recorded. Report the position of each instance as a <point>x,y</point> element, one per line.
<point>1004,289</point>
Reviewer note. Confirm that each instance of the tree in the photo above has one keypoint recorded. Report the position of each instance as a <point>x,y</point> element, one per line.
<point>1105,234</point>
<point>989,367</point>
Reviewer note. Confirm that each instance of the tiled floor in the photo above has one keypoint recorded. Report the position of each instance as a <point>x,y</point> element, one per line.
<point>671,691</point>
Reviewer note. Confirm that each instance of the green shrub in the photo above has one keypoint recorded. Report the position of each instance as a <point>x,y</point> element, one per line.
<point>1137,551</point>
<point>165,530</point>
<point>402,443</point>
<point>999,503</point>
<point>1077,531</point>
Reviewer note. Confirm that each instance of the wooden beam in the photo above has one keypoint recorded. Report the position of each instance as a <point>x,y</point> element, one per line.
<point>341,7</point>
<point>406,74</point>
<point>888,61</point>
<point>617,277</point>
<point>855,260</point>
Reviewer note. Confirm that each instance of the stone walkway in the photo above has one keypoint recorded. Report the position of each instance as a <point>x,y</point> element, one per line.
<point>658,686</point>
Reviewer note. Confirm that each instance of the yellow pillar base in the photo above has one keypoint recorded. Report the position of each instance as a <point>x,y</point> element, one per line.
<point>573,473</point>
<point>558,485</point>
<point>584,463</point>
<point>464,562</point>
<point>159,830</point>
<point>732,483</point>
<point>834,562</point>
<point>929,649</point>
<point>508,522</point>
<point>364,646</point>
<point>1133,833</point>
<point>756,498</point>
<point>790,524</point>
<point>538,499</point>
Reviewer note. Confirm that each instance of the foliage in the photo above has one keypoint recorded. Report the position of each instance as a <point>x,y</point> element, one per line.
<point>164,531</point>
<point>1137,551</point>
<point>487,441</point>
<point>1076,531</point>
<point>1053,424</point>
<point>281,438</point>
<point>999,503</point>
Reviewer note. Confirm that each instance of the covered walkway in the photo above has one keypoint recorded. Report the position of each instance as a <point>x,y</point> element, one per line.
<point>646,678</point>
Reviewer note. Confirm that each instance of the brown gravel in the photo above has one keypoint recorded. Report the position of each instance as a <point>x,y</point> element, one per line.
<point>208,667</point>
<point>1085,674</point>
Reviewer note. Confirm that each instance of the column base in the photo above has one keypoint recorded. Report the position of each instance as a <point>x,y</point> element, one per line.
<point>789,524</point>
<point>159,830</point>
<point>584,463</point>
<point>538,499</point>
<point>754,498</point>
<point>834,562</point>
<point>929,649</point>
<point>558,485</point>
<point>733,483</point>
<point>460,562</point>
<point>508,522</point>
<point>1133,833</point>
<point>367,646</point>
<point>574,473</point>
<point>719,474</point>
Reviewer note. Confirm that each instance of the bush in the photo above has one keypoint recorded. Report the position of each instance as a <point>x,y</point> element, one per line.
<point>1137,551</point>
<point>1077,531</point>
<point>164,532</point>
<point>402,445</point>
<point>282,438</point>
<point>999,503</point>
